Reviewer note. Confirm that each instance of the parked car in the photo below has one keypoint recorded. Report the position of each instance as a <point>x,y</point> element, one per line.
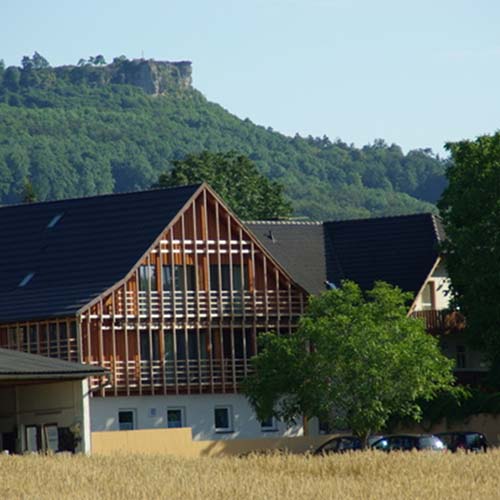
<point>341,444</point>
<point>465,440</point>
<point>407,442</point>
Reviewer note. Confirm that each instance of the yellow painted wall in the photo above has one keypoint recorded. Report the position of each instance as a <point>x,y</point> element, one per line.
<point>179,442</point>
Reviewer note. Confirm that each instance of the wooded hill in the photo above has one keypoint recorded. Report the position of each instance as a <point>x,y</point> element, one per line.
<point>96,128</point>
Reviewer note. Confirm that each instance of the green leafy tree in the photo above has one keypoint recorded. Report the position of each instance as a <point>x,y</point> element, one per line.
<point>236,179</point>
<point>367,361</point>
<point>11,78</point>
<point>470,210</point>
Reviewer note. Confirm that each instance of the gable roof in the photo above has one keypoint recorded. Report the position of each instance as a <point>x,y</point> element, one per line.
<point>298,247</point>
<point>94,244</point>
<point>400,250</point>
<point>17,365</point>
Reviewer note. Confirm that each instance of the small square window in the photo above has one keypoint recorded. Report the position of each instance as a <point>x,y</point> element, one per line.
<point>223,419</point>
<point>268,425</point>
<point>126,420</point>
<point>175,418</point>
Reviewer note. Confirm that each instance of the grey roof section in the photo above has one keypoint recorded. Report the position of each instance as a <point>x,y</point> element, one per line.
<point>400,250</point>
<point>298,247</point>
<point>94,244</point>
<point>17,365</point>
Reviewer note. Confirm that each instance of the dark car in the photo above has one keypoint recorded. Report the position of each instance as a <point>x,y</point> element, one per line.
<point>341,444</point>
<point>408,442</point>
<point>464,440</point>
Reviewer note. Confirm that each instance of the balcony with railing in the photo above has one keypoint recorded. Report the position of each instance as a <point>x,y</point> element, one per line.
<point>441,321</point>
<point>209,304</point>
<point>173,376</point>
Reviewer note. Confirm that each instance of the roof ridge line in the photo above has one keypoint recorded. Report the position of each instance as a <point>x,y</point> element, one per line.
<point>103,195</point>
<point>380,217</point>
<point>285,222</point>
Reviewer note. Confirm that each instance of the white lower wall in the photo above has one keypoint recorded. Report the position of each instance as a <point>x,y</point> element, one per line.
<point>151,413</point>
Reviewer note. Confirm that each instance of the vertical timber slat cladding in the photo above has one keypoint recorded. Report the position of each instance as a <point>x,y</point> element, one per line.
<point>186,317</point>
<point>220,307</point>
<point>208,290</point>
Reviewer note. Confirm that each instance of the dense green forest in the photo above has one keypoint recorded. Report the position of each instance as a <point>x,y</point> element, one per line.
<point>83,129</point>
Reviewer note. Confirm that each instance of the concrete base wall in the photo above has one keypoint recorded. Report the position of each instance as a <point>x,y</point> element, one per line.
<point>198,410</point>
<point>179,442</point>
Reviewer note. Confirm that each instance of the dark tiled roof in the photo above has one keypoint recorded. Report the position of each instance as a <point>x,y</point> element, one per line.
<point>21,365</point>
<point>400,250</point>
<point>298,247</point>
<point>95,244</point>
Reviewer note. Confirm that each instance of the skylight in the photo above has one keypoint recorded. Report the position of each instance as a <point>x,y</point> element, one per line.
<point>54,221</point>
<point>26,279</point>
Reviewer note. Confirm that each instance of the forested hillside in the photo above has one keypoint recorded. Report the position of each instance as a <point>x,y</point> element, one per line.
<point>96,128</point>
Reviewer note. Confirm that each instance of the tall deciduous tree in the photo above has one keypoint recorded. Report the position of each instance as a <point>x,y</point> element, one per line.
<point>236,179</point>
<point>356,360</point>
<point>470,209</point>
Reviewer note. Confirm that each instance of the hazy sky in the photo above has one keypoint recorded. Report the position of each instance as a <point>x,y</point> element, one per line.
<point>418,73</point>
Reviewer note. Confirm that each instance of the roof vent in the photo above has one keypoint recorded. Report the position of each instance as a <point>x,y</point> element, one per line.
<point>26,279</point>
<point>54,221</point>
<point>271,236</point>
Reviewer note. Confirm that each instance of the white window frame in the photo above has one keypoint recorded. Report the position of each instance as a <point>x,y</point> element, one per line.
<point>269,428</point>
<point>134,418</point>
<point>183,415</point>
<point>230,428</point>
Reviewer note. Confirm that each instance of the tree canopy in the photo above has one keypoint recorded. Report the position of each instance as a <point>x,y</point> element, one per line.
<point>236,179</point>
<point>367,361</point>
<point>79,130</point>
<point>470,210</point>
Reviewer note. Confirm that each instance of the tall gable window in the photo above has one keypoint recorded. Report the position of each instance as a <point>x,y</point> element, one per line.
<point>225,275</point>
<point>147,278</point>
<point>181,284</point>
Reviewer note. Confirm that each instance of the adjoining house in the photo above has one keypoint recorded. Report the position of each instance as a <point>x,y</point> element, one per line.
<point>401,250</point>
<point>44,403</point>
<point>166,289</point>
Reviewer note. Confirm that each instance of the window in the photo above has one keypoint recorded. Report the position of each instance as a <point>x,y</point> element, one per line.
<point>51,434</point>
<point>149,345</point>
<point>180,284</point>
<point>32,438</point>
<point>180,340</point>
<point>126,420</point>
<point>223,419</point>
<point>428,296</point>
<point>268,425</point>
<point>461,357</point>
<point>175,418</point>
<point>238,284</point>
<point>147,275</point>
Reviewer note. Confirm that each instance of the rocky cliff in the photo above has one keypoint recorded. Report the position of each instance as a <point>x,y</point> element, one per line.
<point>154,77</point>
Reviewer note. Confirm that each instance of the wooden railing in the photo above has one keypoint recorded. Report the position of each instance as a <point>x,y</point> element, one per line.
<point>203,304</point>
<point>172,376</point>
<point>443,321</point>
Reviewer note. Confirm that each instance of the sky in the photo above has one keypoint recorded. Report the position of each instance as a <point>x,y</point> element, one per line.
<point>415,73</point>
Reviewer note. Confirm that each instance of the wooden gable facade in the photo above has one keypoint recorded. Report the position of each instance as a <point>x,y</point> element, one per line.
<point>185,318</point>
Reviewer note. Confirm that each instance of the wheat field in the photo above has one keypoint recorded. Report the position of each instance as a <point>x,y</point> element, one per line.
<point>354,475</point>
